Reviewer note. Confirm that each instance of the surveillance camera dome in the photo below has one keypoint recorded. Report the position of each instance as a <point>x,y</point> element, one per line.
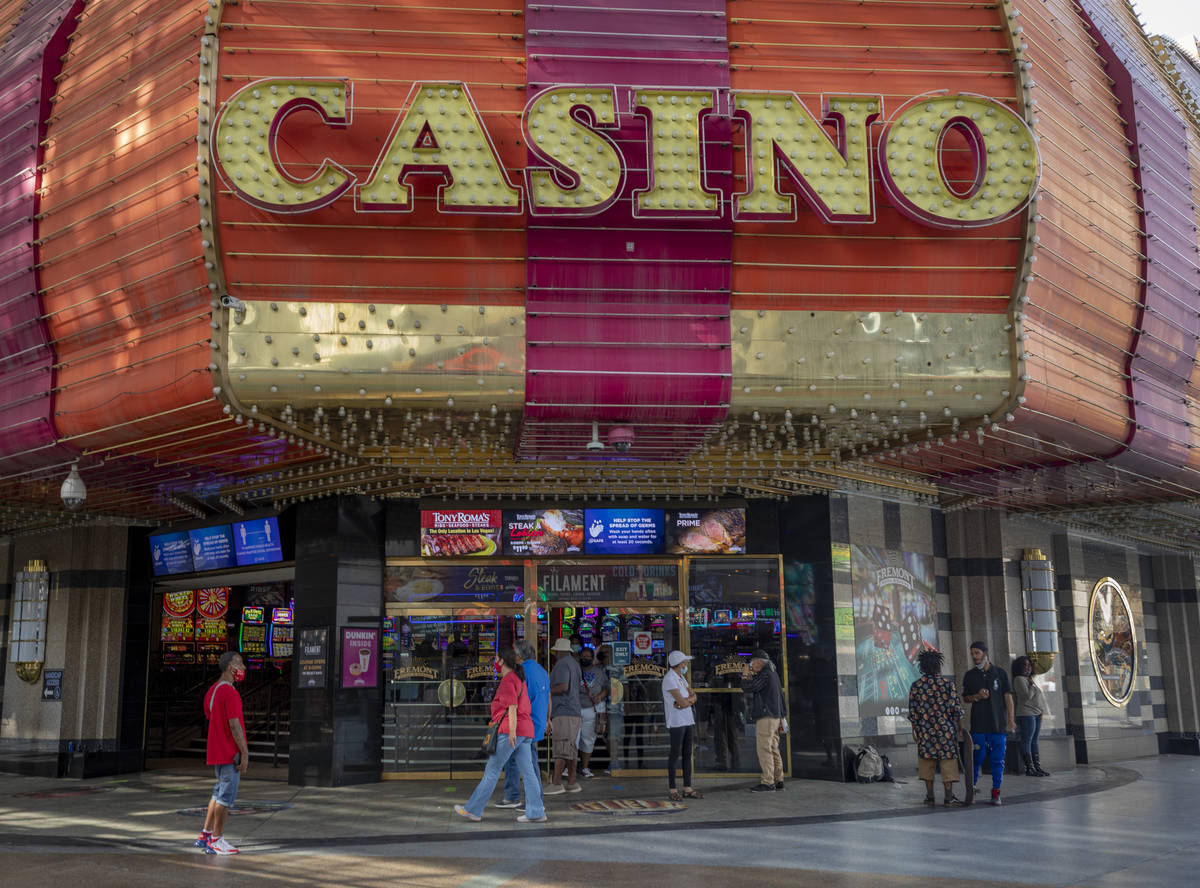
<point>621,438</point>
<point>73,492</point>
<point>595,445</point>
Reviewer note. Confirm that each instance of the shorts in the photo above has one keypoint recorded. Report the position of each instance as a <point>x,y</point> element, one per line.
<point>566,730</point>
<point>949,769</point>
<point>225,790</point>
<point>587,730</point>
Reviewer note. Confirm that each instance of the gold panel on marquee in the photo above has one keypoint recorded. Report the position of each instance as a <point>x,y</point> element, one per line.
<point>309,353</point>
<point>901,363</point>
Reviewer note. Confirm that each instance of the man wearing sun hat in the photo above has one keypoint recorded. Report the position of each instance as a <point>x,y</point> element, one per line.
<point>565,681</point>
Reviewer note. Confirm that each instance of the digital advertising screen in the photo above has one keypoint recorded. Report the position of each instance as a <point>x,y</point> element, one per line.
<point>706,532</point>
<point>456,533</point>
<point>212,547</point>
<point>171,553</point>
<point>257,541</point>
<point>543,532</point>
<point>623,531</point>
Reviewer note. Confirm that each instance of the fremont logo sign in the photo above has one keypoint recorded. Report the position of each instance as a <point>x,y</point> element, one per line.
<point>577,169</point>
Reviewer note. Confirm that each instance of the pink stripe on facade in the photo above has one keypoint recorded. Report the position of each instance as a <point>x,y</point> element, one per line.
<point>628,318</point>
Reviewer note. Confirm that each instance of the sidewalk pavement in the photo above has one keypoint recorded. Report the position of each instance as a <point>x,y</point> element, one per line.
<point>163,810</point>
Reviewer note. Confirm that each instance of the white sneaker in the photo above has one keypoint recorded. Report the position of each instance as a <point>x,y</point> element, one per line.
<point>220,846</point>
<point>524,819</point>
<point>587,772</point>
<point>554,789</point>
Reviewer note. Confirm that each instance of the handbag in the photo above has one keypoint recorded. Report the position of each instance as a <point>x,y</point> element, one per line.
<point>491,738</point>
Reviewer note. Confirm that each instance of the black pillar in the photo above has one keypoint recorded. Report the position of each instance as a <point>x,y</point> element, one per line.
<point>336,732</point>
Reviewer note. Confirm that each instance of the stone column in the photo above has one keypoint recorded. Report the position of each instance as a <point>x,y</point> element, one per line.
<point>336,732</point>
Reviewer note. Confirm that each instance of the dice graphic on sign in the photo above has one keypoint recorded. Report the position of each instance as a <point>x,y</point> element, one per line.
<point>641,644</point>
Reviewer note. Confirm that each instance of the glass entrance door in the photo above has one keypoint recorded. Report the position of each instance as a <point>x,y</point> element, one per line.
<point>636,640</point>
<point>440,677</point>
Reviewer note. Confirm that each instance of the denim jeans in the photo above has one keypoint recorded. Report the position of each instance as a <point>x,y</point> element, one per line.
<point>491,776</point>
<point>990,747</point>
<point>512,775</point>
<point>1030,727</point>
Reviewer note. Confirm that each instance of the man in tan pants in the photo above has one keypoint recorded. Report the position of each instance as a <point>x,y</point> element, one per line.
<point>761,682</point>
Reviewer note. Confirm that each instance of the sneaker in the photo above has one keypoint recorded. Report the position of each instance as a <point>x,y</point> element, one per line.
<point>202,839</point>
<point>779,786</point>
<point>930,801</point>
<point>218,845</point>
<point>515,803</point>
<point>526,819</point>
<point>952,802</point>
<point>573,787</point>
<point>587,772</point>
<point>553,789</point>
<point>996,797</point>
<point>463,812</point>
<point>763,787</point>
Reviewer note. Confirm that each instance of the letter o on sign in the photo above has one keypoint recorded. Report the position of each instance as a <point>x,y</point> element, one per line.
<point>1002,149</point>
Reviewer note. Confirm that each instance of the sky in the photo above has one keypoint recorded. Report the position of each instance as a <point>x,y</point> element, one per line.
<point>1177,19</point>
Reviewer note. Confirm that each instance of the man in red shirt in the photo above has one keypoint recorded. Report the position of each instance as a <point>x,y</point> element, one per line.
<point>227,751</point>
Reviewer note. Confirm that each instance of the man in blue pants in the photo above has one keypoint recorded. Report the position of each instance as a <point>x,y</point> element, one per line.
<point>537,682</point>
<point>987,688</point>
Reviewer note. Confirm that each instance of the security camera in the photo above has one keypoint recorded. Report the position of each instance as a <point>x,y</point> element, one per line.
<point>621,438</point>
<point>73,492</point>
<point>233,302</point>
<point>595,445</point>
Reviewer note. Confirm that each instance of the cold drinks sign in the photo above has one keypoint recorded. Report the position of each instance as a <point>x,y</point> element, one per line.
<point>577,168</point>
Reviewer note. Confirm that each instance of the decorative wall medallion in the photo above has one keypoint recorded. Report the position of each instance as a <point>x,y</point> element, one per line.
<point>1110,629</point>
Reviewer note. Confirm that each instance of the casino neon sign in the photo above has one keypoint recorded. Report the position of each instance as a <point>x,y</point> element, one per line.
<point>577,169</point>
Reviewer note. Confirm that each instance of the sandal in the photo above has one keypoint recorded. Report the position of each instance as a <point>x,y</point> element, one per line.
<point>692,794</point>
<point>673,795</point>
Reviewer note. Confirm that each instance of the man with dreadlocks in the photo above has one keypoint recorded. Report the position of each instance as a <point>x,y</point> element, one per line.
<point>935,712</point>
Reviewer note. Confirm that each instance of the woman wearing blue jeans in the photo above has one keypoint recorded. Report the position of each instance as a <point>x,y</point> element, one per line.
<point>510,708</point>
<point>1030,706</point>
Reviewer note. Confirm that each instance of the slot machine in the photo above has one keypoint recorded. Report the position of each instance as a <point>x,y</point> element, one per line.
<point>279,639</point>
<point>252,634</point>
<point>212,606</point>
<point>610,629</point>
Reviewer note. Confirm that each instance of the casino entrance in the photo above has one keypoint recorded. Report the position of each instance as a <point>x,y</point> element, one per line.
<point>447,620</point>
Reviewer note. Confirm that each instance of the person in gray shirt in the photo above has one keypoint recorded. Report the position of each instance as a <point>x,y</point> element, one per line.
<point>565,682</point>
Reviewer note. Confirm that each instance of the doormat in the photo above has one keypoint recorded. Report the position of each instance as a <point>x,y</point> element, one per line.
<point>63,793</point>
<point>625,807</point>
<point>240,808</point>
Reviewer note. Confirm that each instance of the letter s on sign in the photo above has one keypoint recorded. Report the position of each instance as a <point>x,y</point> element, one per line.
<point>244,136</point>
<point>1003,158</point>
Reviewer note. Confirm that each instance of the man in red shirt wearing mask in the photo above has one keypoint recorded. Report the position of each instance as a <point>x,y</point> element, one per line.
<point>227,751</point>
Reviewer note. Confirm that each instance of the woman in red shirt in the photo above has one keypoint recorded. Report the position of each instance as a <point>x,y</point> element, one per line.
<point>510,709</point>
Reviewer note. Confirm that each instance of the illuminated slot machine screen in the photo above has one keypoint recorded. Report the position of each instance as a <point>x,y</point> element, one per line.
<point>610,629</point>
<point>722,617</point>
<point>252,636</point>
<point>746,615</point>
<point>212,609</point>
<point>698,617</point>
<point>587,631</point>
<point>279,641</point>
<point>178,636</point>
<point>568,620</point>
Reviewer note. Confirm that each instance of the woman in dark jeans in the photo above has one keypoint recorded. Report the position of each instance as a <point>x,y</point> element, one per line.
<point>678,702</point>
<point>1030,706</point>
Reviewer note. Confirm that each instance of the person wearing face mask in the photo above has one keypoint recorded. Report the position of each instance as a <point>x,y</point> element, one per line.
<point>227,751</point>
<point>986,687</point>
<point>680,716</point>
<point>593,689</point>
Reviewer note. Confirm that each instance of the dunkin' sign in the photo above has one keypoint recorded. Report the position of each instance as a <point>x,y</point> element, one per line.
<point>831,160</point>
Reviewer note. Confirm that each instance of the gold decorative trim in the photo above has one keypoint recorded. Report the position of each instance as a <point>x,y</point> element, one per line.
<point>28,672</point>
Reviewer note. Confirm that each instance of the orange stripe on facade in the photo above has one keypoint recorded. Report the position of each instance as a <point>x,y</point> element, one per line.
<point>896,52</point>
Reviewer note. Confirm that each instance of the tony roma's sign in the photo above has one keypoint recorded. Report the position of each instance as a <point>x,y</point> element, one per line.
<point>577,168</point>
